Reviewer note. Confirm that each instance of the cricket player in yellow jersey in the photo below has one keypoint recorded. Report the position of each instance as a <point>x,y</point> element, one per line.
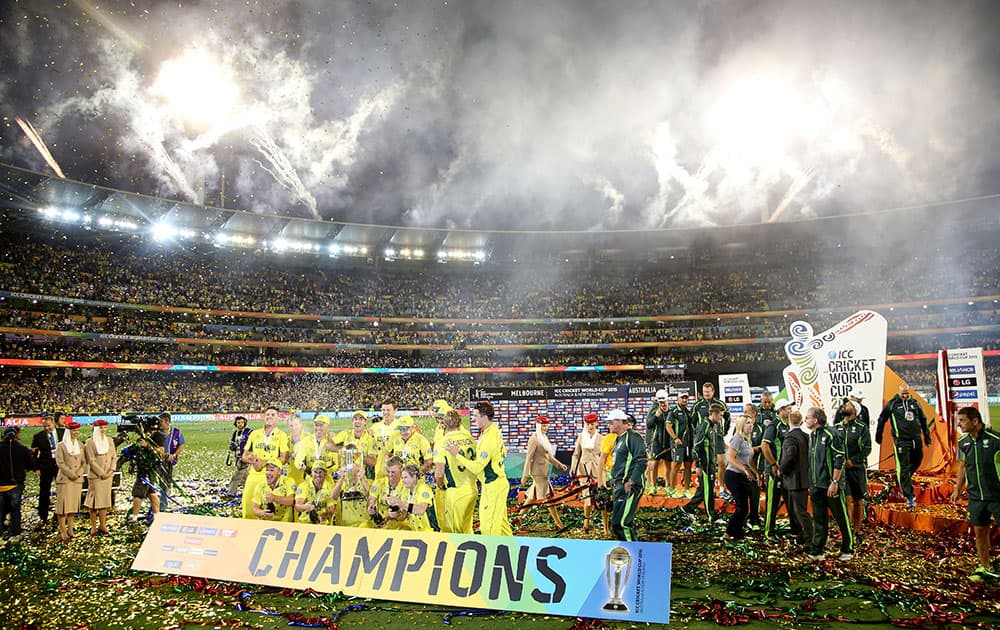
<point>459,480</point>
<point>382,431</point>
<point>270,441</point>
<point>313,501</point>
<point>316,447</point>
<point>384,514</point>
<point>489,465</point>
<point>275,498</point>
<point>439,409</point>
<point>415,505</point>
<point>359,439</point>
<point>295,437</point>
<point>409,445</point>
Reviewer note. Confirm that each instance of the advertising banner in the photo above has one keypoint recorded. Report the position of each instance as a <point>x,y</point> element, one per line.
<point>734,390</point>
<point>827,367</point>
<point>576,578</point>
<point>962,382</point>
<point>565,407</point>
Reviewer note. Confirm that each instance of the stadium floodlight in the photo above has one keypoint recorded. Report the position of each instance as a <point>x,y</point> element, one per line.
<point>363,250</point>
<point>221,238</point>
<point>71,215</point>
<point>390,252</point>
<point>480,255</point>
<point>104,221</point>
<point>48,212</point>
<point>405,252</point>
<point>279,245</point>
<point>163,231</point>
<point>418,253</point>
<point>442,253</point>
<point>334,249</point>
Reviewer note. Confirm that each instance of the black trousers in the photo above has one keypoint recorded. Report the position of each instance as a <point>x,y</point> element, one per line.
<point>822,506</point>
<point>706,491</point>
<point>624,506</point>
<point>909,454</point>
<point>739,487</point>
<point>798,508</point>
<point>776,495</point>
<point>754,518</point>
<point>45,478</point>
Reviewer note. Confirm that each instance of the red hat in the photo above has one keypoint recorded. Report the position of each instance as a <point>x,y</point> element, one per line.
<point>100,423</point>
<point>590,418</point>
<point>72,424</point>
<point>542,419</point>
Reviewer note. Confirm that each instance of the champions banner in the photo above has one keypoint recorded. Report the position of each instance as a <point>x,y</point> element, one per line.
<point>577,578</point>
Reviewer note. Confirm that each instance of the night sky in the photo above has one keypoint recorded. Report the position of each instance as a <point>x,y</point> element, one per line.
<point>575,115</point>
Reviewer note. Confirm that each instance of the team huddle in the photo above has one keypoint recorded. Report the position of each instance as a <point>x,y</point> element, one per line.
<point>375,476</point>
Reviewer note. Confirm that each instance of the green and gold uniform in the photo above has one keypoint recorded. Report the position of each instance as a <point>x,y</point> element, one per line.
<point>460,482</point>
<point>264,447</point>
<point>416,450</point>
<point>321,499</point>
<point>284,487</point>
<point>421,493</point>
<point>489,466</point>
<point>380,489</point>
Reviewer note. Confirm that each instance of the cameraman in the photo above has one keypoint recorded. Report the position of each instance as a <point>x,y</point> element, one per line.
<point>145,456</point>
<point>173,444</point>
<point>237,444</point>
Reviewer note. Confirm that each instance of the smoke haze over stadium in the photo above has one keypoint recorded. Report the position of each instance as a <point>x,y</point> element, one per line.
<point>575,115</point>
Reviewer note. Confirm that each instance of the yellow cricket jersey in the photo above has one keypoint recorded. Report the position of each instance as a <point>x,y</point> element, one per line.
<point>307,493</point>
<point>381,490</point>
<point>309,451</point>
<point>457,473</point>
<point>265,446</point>
<point>284,488</point>
<point>490,454</point>
<point>421,493</point>
<point>416,450</point>
<point>608,446</point>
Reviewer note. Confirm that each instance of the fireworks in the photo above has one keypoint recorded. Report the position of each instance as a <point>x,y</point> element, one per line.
<point>29,130</point>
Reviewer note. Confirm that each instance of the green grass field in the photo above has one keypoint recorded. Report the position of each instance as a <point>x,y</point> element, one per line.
<point>897,575</point>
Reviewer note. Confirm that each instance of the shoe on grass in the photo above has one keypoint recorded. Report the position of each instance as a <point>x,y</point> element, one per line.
<point>982,574</point>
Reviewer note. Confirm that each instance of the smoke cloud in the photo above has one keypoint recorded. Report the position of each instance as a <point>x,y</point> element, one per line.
<point>574,115</point>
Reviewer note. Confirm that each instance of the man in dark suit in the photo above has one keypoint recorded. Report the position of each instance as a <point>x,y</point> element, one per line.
<point>794,470</point>
<point>43,444</point>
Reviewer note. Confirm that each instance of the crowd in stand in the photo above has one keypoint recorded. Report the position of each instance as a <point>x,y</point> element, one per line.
<point>130,273</point>
<point>247,282</point>
<point>168,326</point>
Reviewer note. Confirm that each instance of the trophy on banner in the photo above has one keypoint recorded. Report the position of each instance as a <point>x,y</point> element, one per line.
<point>617,568</point>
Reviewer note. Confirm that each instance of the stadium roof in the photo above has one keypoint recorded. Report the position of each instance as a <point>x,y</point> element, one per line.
<point>113,209</point>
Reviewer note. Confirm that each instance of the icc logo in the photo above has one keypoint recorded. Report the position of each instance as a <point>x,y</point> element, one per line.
<point>843,354</point>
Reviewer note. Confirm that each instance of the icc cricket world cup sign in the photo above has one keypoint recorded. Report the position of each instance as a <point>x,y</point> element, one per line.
<point>826,367</point>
